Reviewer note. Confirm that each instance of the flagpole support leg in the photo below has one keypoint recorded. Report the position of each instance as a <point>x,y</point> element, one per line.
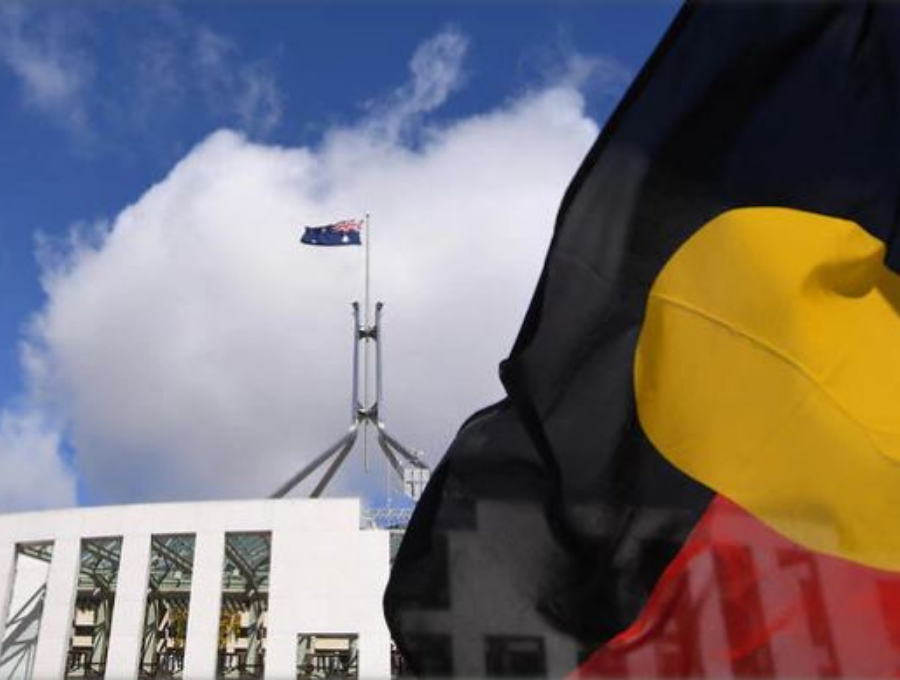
<point>346,440</point>
<point>338,461</point>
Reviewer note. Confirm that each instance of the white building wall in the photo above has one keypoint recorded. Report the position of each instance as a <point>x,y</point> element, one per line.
<point>327,576</point>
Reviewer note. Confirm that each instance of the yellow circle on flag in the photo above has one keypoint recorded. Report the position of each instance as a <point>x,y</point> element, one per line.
<point>768,368</point>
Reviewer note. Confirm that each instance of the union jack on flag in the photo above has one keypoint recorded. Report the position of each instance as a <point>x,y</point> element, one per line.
<point>343,233</point>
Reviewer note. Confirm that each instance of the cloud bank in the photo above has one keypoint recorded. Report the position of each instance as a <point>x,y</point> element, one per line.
<point>195,350</point>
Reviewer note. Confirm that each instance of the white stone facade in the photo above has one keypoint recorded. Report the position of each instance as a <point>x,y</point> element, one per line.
<point>327,577</point>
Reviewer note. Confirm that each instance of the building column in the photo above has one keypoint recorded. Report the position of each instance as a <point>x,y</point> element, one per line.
<point>281,639</point>
<point>200,658</point>
<point>122,659</point>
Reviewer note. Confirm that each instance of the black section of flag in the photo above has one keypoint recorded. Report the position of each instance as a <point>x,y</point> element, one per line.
<point>552,516</point>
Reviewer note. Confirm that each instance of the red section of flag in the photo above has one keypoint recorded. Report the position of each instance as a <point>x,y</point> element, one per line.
<point>742,601</point>
<point>345,226</point>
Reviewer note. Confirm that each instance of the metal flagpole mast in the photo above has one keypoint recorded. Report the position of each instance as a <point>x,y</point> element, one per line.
<point>412,471</point>
<point>368,233</point>
<point>368,237</point>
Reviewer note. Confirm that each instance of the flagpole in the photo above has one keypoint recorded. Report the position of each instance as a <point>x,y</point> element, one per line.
<point>411,470</point>
<point>368,243</point>
<point>368,238</point>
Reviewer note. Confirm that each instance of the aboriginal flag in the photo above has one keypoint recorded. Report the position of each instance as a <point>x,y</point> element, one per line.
<point>696,470</point>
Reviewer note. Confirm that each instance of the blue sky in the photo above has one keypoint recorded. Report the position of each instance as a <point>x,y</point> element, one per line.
<point>102,101</point>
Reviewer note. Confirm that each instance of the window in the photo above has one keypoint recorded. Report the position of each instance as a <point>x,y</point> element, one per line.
<point>245,603</point>
<point>25,609</point>
<point>94,600</point>
<point>168,606</point>
<point>327,656</point>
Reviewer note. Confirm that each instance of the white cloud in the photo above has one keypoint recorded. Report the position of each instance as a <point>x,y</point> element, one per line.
<point>32,475</point>
<point>170,63</point>
<point>197,350</point>
<point>560,63</point>
<point>53,73</point>
<point>602,74</point>
<point>436,71</point>
<point>212,52</point>
<point>156,77</point>
<point>258,101</point>
<point>248,92</point>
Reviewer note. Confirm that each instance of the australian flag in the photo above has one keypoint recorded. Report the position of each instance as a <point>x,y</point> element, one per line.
<point>344,233</point>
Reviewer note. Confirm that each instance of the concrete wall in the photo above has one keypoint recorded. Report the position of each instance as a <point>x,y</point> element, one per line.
<point>327,576</point>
